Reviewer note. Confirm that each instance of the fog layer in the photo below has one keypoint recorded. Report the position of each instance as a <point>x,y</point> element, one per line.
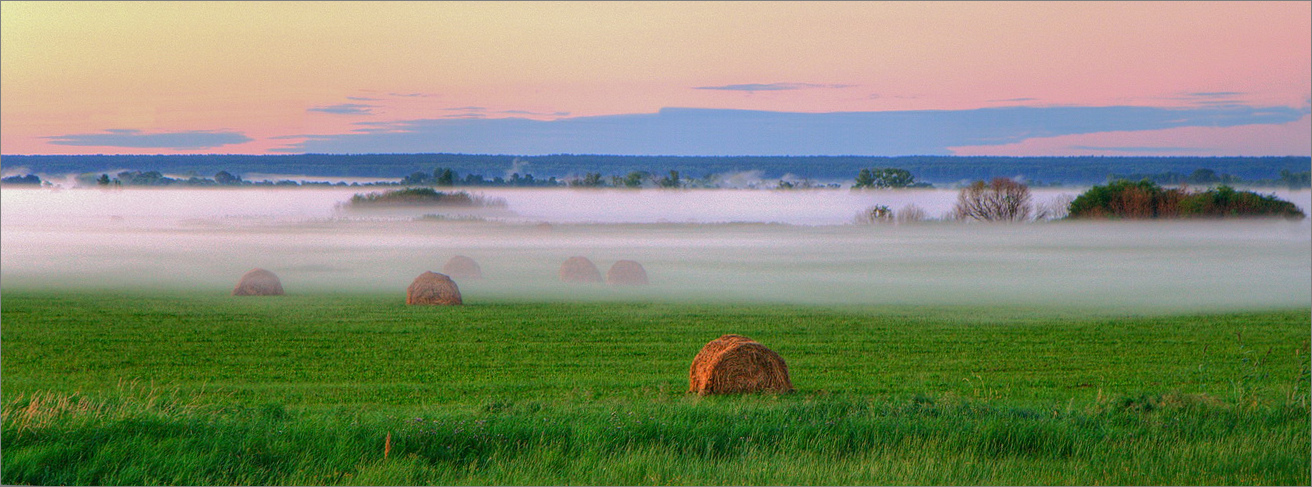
<point>786,246</point>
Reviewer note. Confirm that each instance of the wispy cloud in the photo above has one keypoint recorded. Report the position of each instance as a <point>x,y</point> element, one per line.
<point>537,114</point>
<point>345,109</point>
<point>482,112</point>
<point>361,98</point>
<point>710,132</point>
<point>750,87</point>
<point>1215,94</point>
<point>1138,149</point>
<point>414,95</point>
<point>1014,99</point>
<point>189,140</point>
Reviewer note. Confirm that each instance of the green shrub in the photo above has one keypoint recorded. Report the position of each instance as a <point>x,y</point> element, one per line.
<point>1145,199</point>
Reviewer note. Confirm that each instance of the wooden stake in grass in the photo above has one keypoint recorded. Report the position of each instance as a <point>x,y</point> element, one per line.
<point>387,445</point>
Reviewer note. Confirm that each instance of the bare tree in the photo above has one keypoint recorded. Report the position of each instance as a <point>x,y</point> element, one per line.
<point>999,200</point>
<point>910,214</point>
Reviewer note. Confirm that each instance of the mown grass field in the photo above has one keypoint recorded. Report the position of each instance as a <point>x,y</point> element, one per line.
<point>201,388</point>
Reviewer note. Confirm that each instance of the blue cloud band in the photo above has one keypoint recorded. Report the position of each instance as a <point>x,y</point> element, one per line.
<point>709,132</point>
<point>191,140</point>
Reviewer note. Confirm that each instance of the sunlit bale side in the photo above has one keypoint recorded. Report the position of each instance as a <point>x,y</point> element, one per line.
<point>431,288</point>
<point>736,364</point>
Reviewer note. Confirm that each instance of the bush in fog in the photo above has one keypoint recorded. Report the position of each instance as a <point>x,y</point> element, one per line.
<point>886,177</point>
<point>874,214</point>
<point>1145,199</point>
<point>1225,201</point>
<point>589,180</point>
<point>1055,209</point>
<point>999,200</point>
<point>422,197</point>
<point>910,214</point>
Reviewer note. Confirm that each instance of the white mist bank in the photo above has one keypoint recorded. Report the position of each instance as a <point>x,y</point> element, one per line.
<point>206,239</point>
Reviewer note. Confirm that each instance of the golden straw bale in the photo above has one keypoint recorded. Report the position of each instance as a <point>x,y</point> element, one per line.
<point>626,272</point>
<point>258,282</point>
<point>579,269</point>
<point>735,364</point>
<point>462,267</point>
<point>431,288</point>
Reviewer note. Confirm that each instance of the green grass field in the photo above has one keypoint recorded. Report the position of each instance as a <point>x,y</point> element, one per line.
<point>202,388</point>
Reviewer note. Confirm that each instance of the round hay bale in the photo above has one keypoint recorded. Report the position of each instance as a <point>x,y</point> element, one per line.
<point>431,288</point>
<point>258,282</point>
<point>735,364</point>
<point>462,267</point>
<point>579,269</point>
<point>626,273</point>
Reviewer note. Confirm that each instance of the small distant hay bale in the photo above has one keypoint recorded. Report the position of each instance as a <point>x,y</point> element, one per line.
<point>462,267</point>
<point>626,273</point>
<point>736,364</point>
<point>431,288</point>
<point>258,282</point>
<point>579,269</point>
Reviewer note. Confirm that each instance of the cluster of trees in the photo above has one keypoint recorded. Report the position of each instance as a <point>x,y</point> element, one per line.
<point>887,178</point>
<point>1007,200</point>
<point>25,180</point>
<point>422,197</point>
<point>1145,199</point>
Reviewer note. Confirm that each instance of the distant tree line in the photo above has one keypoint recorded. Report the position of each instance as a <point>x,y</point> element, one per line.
<point>934,169</point>
<point>1208,177</point>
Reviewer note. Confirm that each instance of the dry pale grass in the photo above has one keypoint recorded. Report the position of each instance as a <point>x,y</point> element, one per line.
<point>626,273</point>
<point>258,282</point>
<point>461,267</point>
<point>431,288</point>
<point>579,269</point>
<point>736,364</point>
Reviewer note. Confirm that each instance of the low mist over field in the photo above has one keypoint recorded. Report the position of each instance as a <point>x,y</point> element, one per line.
<point>752,246</point>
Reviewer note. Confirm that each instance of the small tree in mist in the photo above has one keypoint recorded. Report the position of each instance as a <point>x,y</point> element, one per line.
<point>1055,209</point>
<point>632,180</point>
<point>671,181</point>
<point>873,215</point>
<point>589,180</point>
<point>1000,200</point>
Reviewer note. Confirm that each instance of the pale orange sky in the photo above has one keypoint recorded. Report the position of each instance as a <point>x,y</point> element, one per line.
<point>260,68</point>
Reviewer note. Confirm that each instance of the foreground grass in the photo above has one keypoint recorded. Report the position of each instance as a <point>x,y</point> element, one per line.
<point>204,389</point>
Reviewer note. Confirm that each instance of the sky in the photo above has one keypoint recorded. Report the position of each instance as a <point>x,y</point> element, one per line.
<point>667,78</point>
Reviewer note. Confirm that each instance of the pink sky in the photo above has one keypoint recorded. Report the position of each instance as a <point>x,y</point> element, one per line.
<point>274,71</point>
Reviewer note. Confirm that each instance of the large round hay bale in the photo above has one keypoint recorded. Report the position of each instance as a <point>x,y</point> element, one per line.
<point>626,273</point>
<point>431,288</point>
<point>461,267</point>
<point>579,269</point>
<point>258,282</point>
<point>734,364</point>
